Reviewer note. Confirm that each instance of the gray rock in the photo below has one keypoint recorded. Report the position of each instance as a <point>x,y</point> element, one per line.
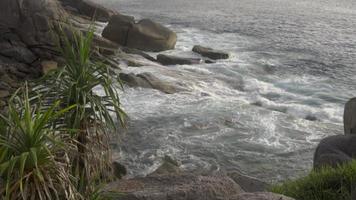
<point>18,52</point>
<point>133,81</point>
<point>89,8</point>
<point>174,60</point>
<point>119,169</point>
<point>4,93</point>
<point>177,187</point>
<point>118,28</point>
<point>260,196</point>
<point>247,183</point>
<point>169,166</point>
<point>138,52</point>
<point>159,84</point>
<point>335,150</point>
<point>147,35</point>
<point>210,53</point>
<point>350,117</point>
<point>148,80</point>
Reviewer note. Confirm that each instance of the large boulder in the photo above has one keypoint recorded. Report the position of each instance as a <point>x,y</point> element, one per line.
<point>175,60</point>
<point>260,196</point>
<point>177,187</point>
<point>89,8</point>
<point>350,117</point>
<point>335,150</point>
<point>145,35</point>
<point>210,53</point>
<point>118,28</point>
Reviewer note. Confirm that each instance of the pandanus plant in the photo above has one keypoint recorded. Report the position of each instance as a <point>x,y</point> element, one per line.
<point>95,115</point>
<point>33,156</point>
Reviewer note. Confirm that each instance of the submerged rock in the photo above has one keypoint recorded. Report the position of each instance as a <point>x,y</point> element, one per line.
<point>335,150</point>
<point>210,53</point>
<point>350,117</point>
<point>169,166</point>
<point>175,60</point>
<point>177,187</point>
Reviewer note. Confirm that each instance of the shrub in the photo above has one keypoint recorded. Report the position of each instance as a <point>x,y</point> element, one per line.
<point>33,156</point>
<point>323,184</point>
<point>91,121</point>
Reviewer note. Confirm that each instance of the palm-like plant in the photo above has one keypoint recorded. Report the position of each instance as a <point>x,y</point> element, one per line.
<point>33,156</point>
<point>91,121</point>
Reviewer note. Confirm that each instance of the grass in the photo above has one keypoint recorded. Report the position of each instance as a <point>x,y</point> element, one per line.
<point>324,184</point>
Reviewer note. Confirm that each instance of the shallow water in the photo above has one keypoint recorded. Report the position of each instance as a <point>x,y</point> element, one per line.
<point>291,60</point>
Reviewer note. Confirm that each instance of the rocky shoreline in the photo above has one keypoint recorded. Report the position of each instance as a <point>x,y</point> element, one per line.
<point>28,34</point>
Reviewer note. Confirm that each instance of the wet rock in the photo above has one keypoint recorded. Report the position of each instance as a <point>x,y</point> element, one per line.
<point>260,196</point>
<point>210,53</point>
<point>48,65</point>
<point>175,60</point>
<point>335,150</point>
<point>133,81</point>
<point>148,80</point>
<point>147,35</point>
<point>177,187</point>
<point>169,166</point>
<point>350,117</point>
<point>311,118</point>
<point>119,169</point>
<point>208,61</point>
<point>118,28</point>
<point>247,183</point>
<point>159,84</point>
<point>138,52</point>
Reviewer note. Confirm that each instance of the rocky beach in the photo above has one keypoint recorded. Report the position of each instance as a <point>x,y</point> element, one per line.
<point>202,124</point>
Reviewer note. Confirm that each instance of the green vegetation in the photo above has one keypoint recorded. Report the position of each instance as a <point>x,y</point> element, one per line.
<point>54,139</point>
<point>324,184</point>
<point>29,151</point>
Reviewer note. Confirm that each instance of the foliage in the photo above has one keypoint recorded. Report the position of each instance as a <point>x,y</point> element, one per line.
<point>323,184</point>
<point>33,156</point>
<point>91,121</point>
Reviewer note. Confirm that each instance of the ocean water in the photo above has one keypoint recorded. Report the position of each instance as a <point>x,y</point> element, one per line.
<point>292,60</point>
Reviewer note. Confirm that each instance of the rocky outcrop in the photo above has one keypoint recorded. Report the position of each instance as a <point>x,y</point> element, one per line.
<point>148,80</point>
<point>335,150</point>
<point>88,8</point>
<point>260,196</point>
<point>177,187</point>
<point>175,60</point>
<point>138,52</point>
<point>145,35</point>
<point>350,117</point>
<point>210,53</point>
